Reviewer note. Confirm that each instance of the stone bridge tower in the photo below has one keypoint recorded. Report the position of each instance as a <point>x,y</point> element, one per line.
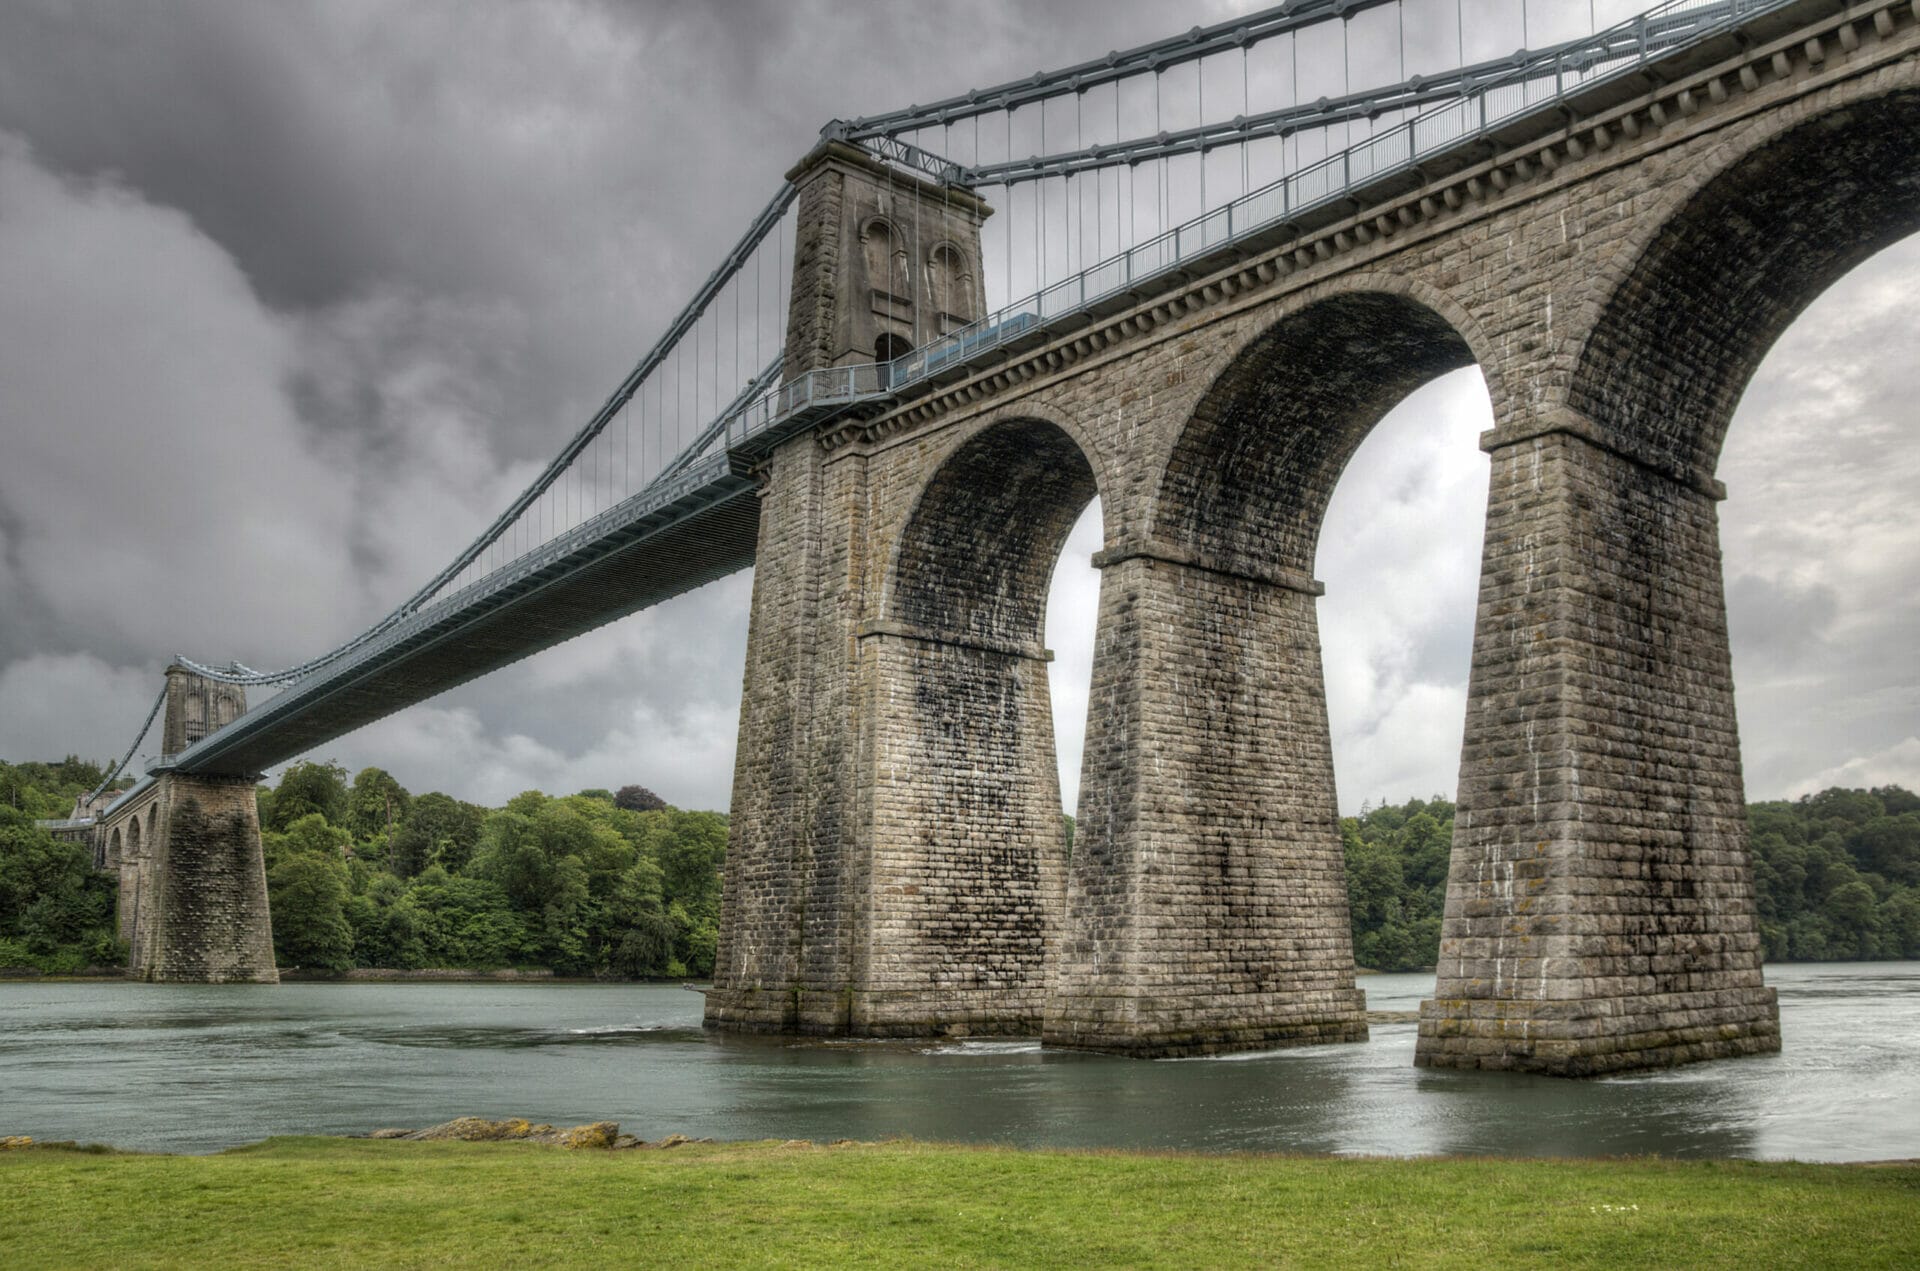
<point>193,882</point>
<point>883,262</point>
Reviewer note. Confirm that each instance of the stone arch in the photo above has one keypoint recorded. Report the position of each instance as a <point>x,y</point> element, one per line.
<point>1249,475</point>
<point>133,835</point>
<point>114,847</point>
<point>976,553</point>
<point>153,816</point>
<point>1762,225</point>
<point>967,871</point>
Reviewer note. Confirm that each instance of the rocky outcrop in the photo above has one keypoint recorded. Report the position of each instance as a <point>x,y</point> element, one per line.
<point>602,1135</point>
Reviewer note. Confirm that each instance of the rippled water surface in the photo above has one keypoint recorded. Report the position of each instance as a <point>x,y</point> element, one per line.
<point>194,1069</point>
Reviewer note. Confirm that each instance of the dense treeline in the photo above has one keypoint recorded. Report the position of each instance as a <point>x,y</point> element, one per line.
<point>1836,874</point>
<point>56,911</point>
<point>366,874</point>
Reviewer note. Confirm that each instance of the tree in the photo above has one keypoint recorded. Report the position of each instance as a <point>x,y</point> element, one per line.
<point>307,895</point>
<point>439,830</point>
<point>376,802</point>
<point>56,911</point>
<point>305,788</point>
<point>638,799</point>
<point>311,835</point>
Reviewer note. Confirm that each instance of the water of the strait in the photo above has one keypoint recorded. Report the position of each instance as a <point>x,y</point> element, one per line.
<point>195,1069</point>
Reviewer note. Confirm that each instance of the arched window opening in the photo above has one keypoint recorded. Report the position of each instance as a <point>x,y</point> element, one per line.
<point>951,286</point>
<point>885,250</point>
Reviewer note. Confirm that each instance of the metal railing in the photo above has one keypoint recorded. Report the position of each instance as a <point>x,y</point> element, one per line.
<point>1620,49</point>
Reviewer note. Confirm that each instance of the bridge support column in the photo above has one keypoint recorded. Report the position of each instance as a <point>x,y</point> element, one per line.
<point>1206,900</point>
<point>966,849</point>
<point>784,956</point>
<point>203,916</point>
<point>1600,906</point>
<point>896,848</point>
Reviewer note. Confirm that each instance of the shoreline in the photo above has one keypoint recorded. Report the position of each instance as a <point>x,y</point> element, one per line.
<point>600,1137</point>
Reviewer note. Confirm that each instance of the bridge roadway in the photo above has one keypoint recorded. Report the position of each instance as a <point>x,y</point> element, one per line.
<point>702,522</point>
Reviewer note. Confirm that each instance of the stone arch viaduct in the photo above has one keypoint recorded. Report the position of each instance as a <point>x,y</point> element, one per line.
<point>1615,263</point>
<point>898,864</point>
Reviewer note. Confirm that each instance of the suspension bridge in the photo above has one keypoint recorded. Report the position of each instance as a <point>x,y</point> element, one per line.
<point>1186,277</point>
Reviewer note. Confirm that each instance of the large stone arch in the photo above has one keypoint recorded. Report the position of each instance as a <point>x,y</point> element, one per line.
<point>1764,222</point>
<point>975,555</point>
<point>1249,474</point>
<point>967,859</point>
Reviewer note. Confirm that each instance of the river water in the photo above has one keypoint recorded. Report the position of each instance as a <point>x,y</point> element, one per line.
<point>194,1069</point>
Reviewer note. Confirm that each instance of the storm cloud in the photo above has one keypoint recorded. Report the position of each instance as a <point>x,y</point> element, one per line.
<point>294,297</point>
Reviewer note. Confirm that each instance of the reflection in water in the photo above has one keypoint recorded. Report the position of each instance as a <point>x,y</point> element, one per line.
<point>197,1068</point>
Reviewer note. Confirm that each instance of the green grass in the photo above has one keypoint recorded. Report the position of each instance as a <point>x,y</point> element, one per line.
<point>323,1202</point>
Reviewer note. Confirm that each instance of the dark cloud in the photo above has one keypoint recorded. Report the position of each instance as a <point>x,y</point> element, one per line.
<point>294,297</point>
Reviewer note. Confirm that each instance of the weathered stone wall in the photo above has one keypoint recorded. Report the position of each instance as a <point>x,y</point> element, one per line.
<point>1615,279</point>
<point>967,849</point>
<point>1600,909</point>
<point>783,856</point>
<point>1207,898</point>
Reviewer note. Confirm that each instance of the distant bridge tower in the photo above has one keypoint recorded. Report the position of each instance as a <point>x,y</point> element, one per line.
<point>193,883</point>
<point>197,706</point>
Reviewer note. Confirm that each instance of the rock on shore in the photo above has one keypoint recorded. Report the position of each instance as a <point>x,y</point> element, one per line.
<point>597,1134</point>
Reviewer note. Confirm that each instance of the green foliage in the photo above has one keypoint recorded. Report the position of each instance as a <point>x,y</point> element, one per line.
<point>307,893</point>
<point>638,799</point>
<point>56,911</point>
<point>46,791</point>
<point>309,836</point>
<point>577,884</point>
<point>375,803</point>
<point>1838,875</point>
<point>439,830</point>
<point>1397,882</point>
<point>306,788</point>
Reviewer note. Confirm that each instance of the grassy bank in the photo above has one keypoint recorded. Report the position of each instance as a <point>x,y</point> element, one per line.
<point>312,1202</point>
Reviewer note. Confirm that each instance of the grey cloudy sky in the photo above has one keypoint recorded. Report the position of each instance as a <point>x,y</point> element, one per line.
<point>294,297</point>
